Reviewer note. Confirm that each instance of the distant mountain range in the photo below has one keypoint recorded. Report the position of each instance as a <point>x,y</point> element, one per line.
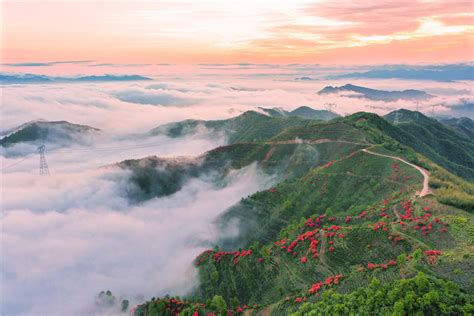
<point>33,78</point>
<point>47,131</point>
<point>435,72</point>
<point>376,95</point>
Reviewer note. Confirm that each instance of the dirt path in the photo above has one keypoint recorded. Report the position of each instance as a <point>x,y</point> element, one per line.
<point>396,228</point>
<point>311,141</point>
<point>426,175</point>
<point>269,154</point>
<point>322,252</point>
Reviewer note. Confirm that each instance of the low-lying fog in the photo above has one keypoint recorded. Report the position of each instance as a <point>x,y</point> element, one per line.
<point>68,236</point>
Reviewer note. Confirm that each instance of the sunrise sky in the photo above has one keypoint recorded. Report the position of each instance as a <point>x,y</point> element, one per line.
<point>293,31</point>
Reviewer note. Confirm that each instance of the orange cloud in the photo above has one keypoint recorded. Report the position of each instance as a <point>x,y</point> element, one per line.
<point>255,31</point>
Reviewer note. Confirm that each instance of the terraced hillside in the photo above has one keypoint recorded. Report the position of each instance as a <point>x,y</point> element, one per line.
<point>352,183</point>
<point>350,228</point>
<point>278,151</point>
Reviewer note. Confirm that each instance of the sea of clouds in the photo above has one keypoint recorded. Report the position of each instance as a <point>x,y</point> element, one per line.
<point>68,236</point>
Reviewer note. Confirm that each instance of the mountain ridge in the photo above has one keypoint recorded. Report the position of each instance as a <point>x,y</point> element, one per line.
<point>376,95</point>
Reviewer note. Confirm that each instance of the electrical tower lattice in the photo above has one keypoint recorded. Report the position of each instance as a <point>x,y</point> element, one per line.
<point>43,170</point>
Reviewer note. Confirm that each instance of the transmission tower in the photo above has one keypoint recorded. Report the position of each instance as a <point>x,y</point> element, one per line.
<point>43,170</point>
<point>329,106</point>
<point>397,118</point>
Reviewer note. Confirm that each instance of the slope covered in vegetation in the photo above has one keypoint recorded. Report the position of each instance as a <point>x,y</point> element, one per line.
<point>435,141</point>
<point>250,126</point>
<point>343,231</point>
<point>47,131</point>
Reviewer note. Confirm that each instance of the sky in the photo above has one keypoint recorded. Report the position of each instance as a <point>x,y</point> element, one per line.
<point>285,31</point>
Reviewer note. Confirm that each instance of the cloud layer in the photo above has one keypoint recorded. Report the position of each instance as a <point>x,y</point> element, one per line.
<point>68,236</point>
<point>75,236</point>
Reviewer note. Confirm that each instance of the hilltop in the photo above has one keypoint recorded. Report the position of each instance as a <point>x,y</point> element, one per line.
<point>303,112</point>
<point>249,126</point>
<point>41,131</point>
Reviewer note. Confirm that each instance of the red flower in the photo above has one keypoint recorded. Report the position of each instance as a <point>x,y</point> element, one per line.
<point>329,281</point>
<point>337,278</point>
<point>304,260</point>
<point>315,287</point>
<point>433,252</point>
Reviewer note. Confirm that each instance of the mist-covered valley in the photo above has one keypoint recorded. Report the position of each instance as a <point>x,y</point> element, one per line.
<point>129,204</point>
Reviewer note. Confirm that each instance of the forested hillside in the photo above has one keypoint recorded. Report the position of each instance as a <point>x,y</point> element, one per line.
<point>361,220</point>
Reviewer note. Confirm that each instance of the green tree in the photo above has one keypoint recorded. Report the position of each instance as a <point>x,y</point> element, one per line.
<point>125,304</point>
<point>218,303</point>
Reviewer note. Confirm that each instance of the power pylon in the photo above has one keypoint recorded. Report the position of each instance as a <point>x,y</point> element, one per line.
<point>397,118</point>
<point>329,106</point>
<point>43,170</point>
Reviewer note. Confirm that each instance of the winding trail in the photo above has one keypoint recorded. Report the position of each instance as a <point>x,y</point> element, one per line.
<point>311,141</point>
<point>426,174</point>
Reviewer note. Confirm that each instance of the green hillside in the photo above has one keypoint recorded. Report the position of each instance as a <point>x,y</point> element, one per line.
<point>44,131</point>
<point>435,141</point>
<point>155,177</point>
<point>463,126</point>
<point>344,231</point>
<point>350,184</point>
<point>248,127</point>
